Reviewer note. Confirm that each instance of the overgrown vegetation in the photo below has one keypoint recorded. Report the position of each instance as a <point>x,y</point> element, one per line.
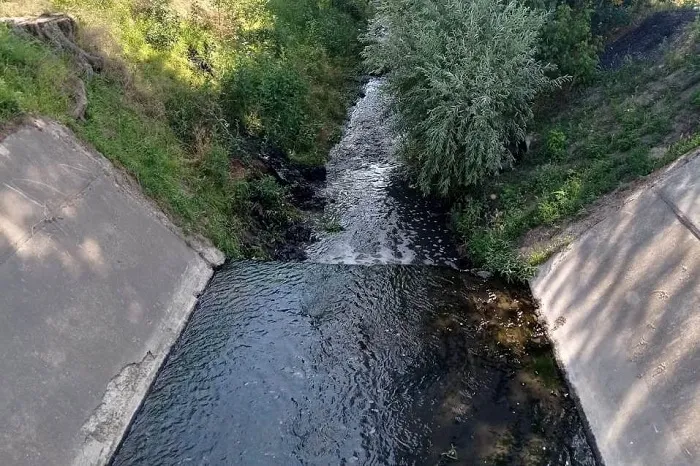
<point>567,40</point>
<point>603,130</point>
<point>462,87</point>
<point>628,123</point>
<point>635,120</point>
<point>193,92</point>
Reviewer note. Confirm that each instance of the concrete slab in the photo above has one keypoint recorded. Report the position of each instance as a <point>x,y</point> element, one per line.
<point>95,287</point>
<point>622,304</point>
<point>33,183</point>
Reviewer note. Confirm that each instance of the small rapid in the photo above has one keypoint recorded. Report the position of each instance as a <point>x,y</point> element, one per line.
<point>376,350</point>
<point>383,220</point>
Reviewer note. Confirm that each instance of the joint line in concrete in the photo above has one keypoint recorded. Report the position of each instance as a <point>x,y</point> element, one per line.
<point>685,221</point>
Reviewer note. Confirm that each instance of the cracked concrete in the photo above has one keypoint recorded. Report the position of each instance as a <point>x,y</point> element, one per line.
<point>622,303</point>
<point>96,286</point>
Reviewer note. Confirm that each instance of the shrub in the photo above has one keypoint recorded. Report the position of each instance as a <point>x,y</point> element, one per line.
<point>190,110</point>
<point>467,216</point>
<point>267,98</point>
<point>159,21</point>
<point>567,41</point>
<point>556,144</point>
<point>496,254</point>
<point>611,14</point>
<point>332,24</point>
<point>463,76</point>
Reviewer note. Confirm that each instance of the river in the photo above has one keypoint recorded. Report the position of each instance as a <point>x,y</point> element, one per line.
<point>377,350</point>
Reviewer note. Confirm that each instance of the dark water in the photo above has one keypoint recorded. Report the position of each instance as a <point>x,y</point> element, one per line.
<point>286,364</point>
<point>336,362</point>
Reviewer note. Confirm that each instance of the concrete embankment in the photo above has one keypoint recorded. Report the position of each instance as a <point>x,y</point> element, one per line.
<point>622,304</point>
<point>95,287</point>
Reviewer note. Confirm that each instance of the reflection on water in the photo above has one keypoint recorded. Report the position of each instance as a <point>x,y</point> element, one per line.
<point>286,364</point>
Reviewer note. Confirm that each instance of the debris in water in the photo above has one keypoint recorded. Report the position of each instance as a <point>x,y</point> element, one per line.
<point>451,453</point>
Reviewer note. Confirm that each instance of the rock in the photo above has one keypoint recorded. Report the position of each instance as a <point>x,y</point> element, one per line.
<point>483,274</point>
<point>289,252</point>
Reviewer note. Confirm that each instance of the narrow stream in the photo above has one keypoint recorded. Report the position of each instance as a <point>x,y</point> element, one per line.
<point>376,351</point>
<point>383,221</point>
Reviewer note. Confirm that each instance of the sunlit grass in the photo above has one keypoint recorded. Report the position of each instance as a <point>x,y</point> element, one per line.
<point>155,109</point>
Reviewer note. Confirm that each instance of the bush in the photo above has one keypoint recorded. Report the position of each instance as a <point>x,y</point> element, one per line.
<point>496,254</point>
<point>467,216</point>
<point>611,14</point>
<point>159,21</point>
<point>556,144</point>
<point>567,41</point>
<point>463,76</point>
<point>332,24</point>
<point>191,110</point>
<point>267,98</point>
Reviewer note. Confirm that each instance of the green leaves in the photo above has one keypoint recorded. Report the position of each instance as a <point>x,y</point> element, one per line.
<point>568,42</point>
<point>462,77</point>
<point>268,98</point>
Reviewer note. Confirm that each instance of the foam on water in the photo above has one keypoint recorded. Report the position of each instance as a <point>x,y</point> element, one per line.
<point>384,221</point>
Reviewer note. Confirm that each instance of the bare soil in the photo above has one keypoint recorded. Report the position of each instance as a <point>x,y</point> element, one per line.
<point>644,40</point>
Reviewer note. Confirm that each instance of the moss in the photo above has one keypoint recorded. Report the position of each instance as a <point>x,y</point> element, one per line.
<point>544,367</point>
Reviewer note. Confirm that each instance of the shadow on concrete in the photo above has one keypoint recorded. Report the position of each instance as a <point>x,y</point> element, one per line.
<point>622,304</point>
<point>93,284</point>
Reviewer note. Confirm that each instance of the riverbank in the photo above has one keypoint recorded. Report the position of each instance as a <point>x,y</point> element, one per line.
<point>620,303</point>
<point>201,102</point>
<point>97,285</point>
<point>639,114</point>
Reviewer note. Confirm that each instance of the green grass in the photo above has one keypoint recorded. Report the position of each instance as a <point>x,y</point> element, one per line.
<point>202,199</point>
<point>31,79</point>
<point>35,81</point>
<point>165,121</point>
<point>600,139</point>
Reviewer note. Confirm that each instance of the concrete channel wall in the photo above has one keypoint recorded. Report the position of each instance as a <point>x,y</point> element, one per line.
<point>622,304</point>
<point>95,287</point>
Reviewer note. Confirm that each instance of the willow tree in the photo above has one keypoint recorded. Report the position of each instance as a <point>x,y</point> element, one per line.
<point>462,75</point>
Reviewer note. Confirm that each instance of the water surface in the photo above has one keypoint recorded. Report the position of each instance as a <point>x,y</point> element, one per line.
<point>383,220</point>
<point>286,364</point>
<point>376,351</point>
